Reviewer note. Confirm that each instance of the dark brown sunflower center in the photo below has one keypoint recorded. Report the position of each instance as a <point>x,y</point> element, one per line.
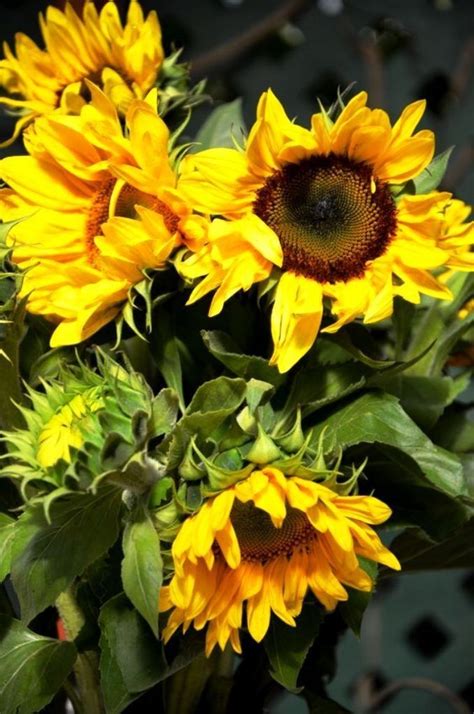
<point>128,198</point>
<point>258,538</point>
<point>330,215</point>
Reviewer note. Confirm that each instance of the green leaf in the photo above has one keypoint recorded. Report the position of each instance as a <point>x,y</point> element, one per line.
<point>212,404</point>
<point>115,693</point>
<point>431,177</point>
<point>417,551</point>
<point>32,668</point>
<point>287,646</point>
<point>223,348</point>
<point>7,533</point>
<point>218,395</point>
<point>138,655</point>
<point>166,353</point>
<point>142,567</point>
<point>224,123</point>
<point>315,387</point>
<point>402,320</point>
<point>345,341</point>
<point>436,328</point>
<point>132,648</point>
<point>379,418</point>
<point>425,398</point>
<point>164,411</point>
<point>47,557</point>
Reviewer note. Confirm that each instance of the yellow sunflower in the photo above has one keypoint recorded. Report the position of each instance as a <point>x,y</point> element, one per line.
<point>315,209</point>
<point>123,59</point>
<point>265,542</point>
<point>80,243</point>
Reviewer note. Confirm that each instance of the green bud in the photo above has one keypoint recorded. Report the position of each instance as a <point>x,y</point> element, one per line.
<point>263,450</point>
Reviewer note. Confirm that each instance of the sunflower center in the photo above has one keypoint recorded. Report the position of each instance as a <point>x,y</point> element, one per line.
<point>127,199</point>
<point>330,215</point>
<point>258,538</point>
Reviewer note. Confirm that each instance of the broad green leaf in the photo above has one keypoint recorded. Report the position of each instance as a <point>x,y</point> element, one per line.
<point>115,693</point>
<point>132,647</point>
<point>218,395</point>
<point>47,557</point>
<point>425,398</point>
<point>416,551</point>
<point>399,481</point>
<point>142,568</point>
<point>136,652</point>
<point>32,668</point>
<point>221,126</point>
<point>223,348</point>
<point>431,177</point>
<point>379,418</point>
<point>7,533</point>
<point>287,646</point>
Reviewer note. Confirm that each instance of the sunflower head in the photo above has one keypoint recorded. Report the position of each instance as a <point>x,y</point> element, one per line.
<point>126,59</point>
<point>87,426</point>
<point>260,547</point>
<point>101,215</point>
<point>341,214</point>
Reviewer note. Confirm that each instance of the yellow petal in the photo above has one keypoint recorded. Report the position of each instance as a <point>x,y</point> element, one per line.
<point>295,320</point>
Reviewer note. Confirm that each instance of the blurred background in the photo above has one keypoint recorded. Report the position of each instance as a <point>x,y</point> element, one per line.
<point>418,626</point>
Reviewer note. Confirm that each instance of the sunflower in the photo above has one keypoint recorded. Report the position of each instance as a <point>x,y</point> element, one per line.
<point>315,209</point>
<point>265,542</point>
<point>80,243</point>
<point>123,59</point>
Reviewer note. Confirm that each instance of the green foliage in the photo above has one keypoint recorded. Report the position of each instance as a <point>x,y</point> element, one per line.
<point>431,177</point>
<point>46,557</point>
<point>132,660</point>
<point>379,418</point>
<point>32,668</point>
<point>223,348</point>
<point>142,566</point>
<point>416,551</point>
<point>7,533</point>
<point>222,127</point>
<point>287,647</point>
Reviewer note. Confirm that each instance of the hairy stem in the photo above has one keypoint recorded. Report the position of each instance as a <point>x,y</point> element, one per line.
<point>86,669</point>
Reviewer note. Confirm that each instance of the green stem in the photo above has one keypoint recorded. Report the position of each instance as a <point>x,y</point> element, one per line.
<point>10,393</point>
<point>221,682</point>
<point>86,667</point>
<point>184,689</point>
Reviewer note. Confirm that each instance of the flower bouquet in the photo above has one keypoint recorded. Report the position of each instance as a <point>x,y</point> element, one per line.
<point>230,371</point>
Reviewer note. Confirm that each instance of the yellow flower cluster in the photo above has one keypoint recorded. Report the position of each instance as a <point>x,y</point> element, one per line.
<point>322,214</point>
<point>311,209</point>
